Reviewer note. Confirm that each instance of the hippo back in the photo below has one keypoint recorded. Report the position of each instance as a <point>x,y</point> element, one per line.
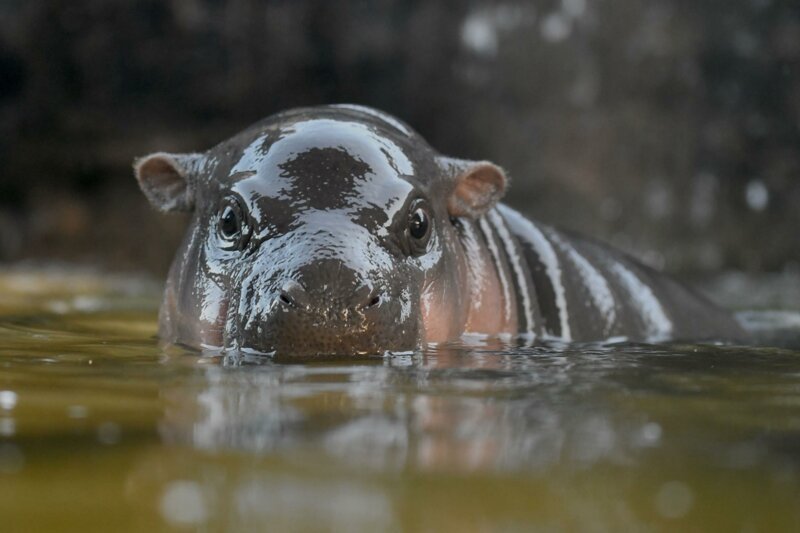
<point>583,290</point>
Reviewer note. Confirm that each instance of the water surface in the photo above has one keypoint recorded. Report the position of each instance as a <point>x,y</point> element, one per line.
<point>103,430</point>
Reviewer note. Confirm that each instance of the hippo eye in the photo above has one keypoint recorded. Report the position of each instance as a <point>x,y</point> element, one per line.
<point>231,226</point>
<point>419,226</point>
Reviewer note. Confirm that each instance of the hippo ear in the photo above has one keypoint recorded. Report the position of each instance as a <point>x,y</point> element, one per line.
<point>169,180</point>
<point>476,186</point>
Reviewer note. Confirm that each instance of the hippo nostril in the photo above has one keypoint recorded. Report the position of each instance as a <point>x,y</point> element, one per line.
<point>366,297</point>
<point>293,294</point>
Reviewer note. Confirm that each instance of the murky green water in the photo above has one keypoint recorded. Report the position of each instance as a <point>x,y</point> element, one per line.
<point>101,430</point>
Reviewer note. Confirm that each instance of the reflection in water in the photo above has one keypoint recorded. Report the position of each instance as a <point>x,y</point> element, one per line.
<point>458,408</point>
<point>623,435</point>
<point>286,503</point>
<point>109,432</point>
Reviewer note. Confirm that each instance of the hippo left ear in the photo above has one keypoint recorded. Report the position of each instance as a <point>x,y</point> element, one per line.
<point>476,186</point>
<point>169,180</point>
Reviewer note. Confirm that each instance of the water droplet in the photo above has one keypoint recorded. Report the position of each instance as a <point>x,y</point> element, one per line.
<point>8,400</point>
<point>757,195</point>
<point>77,411</point>
<point>674,499</point>
<point>555,27</point>
<point>183,503</point>
<point>651,433</point>
<point>479,35</point>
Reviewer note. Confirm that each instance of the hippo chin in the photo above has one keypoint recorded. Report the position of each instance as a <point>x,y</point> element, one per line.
<point>338,231</point>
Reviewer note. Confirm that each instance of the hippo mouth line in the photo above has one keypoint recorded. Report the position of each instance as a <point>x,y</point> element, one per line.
<point>333,347</point>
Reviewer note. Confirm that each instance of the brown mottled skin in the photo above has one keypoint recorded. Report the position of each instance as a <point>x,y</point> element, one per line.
<point>337,230</point>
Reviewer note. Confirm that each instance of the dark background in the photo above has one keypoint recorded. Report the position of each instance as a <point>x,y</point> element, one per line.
<point>670,128</point>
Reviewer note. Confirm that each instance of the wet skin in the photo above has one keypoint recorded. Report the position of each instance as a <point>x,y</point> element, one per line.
<point>338,230</point>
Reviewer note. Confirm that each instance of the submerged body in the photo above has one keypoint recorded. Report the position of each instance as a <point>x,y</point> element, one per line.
<point>337,230</point>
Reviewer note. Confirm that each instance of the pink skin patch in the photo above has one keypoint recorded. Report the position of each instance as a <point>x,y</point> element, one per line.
<point>441,319</point>
<point>449,311</point>
<point>486,314</point>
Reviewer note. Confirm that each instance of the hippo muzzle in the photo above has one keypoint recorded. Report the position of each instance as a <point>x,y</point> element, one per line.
<point>324,307</point>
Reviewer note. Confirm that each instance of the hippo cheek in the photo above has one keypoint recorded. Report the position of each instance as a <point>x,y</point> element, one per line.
<point>440,322</point>
<point>213,317</point>
<point>442,309</point>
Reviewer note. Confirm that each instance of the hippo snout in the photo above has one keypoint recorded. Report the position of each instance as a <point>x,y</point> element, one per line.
<point>327,289</point>
<point>326,308</point>
<point>329,309</point>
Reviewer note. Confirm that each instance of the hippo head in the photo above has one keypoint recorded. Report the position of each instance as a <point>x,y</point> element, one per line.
<point>318,231</point>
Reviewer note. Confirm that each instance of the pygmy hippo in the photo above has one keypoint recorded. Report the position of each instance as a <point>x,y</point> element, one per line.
<point>337,230</point>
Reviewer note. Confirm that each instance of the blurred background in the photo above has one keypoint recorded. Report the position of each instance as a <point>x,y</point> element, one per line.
<point>670,128</point>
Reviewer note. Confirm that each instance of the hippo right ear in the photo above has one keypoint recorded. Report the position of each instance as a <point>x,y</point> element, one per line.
<point>169,180</point>
<point>476,186</point>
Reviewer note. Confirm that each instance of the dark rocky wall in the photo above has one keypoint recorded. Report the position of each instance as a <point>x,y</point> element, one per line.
<point>671,128</point>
